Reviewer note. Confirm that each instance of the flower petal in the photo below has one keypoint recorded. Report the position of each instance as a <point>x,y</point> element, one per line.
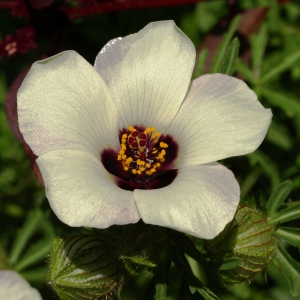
<point>82,193</point>
<point>14,287</point>
<point>64,103</point>
<point>148,73</point>
<point>221,117</point>
<point>200,201</point>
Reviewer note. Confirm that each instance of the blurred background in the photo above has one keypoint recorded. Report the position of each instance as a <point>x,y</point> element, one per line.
<point>269,61</point>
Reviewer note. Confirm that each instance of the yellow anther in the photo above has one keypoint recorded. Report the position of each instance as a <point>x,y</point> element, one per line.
<point>123,146</point>
<point>163,145</point>
<point>134,171</point>
<point>147,130</point>
<point>142,163</point>
<point>124,136</point>
<point>148,165</point>
<point>157,165</point>
<point>153,170</point>
<point>152,129</point>
<point>123,141</point>
<point>129,160</point>
<point>163,152</point>
<point>126,168</point>
<point>138,162</point>
<point>122,151</point>
<point>119,157</point>
<point>139,172</point>
<point>124,156</point>
<point>148,172</point>
<point>162,160</point>
<point>131,128</point>
<point>142,169</point>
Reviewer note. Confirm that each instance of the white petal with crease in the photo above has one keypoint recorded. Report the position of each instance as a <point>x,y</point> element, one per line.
<point>200,201</point>
<point>64,103</point>
<point>221,117</point>
<point>82,193</point>
<point>15,287</point>
<point>148,73</point>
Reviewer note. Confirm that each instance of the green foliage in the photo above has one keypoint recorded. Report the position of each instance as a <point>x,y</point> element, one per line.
<point>271,69</point>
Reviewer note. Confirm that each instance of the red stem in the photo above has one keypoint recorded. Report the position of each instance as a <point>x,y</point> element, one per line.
<point>7,4</point>
<point>80,12</point>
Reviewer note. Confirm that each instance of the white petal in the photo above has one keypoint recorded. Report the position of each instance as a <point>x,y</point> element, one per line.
<point>221,117</point>
<point>64,103</point>
<point>148,73</point>
<point>82,193</point>
<point>14,287</point>
<point>200,201</point>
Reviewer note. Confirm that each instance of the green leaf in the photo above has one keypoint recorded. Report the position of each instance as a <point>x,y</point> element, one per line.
<point>200,63</point>
<point>206,293</point>
<point>25,233</point>
<point>286,215</point>
<point>279,135</point>
<point>244,70</point>
<point>287,62</point>
<point>258,45</point>
<point>269,167</point>
<point>184,269</point>
<point>36,253</point>
<point>290,268</point>
<point>277,197</point>
<point>230,58</point>
<point>224,44</point>
<point>230,263</point>
<point>161,286</point>
<point>286,101</point>
<point>289,234</point>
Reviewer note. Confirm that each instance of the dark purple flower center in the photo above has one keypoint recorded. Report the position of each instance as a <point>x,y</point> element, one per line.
<point>145,159</point>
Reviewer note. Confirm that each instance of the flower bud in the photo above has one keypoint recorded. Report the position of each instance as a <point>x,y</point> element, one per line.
<point>83,267</point>
<point>248,238</point>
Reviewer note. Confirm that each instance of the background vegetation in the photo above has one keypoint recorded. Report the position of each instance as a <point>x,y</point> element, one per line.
<point>269,61</point>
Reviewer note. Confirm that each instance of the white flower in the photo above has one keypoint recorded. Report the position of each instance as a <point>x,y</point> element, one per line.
<point>79,123</point>
<point>14,287</point>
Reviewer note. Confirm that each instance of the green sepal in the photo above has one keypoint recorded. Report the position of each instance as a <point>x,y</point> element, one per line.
<point>290,268</point>
<point>249,239</point>
<point>82,267</point>
<point>230,58</point>
<point>277,197</point>
<point>290,235</point>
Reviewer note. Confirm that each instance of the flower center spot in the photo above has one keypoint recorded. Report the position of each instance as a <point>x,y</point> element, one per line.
<point>141,152</point>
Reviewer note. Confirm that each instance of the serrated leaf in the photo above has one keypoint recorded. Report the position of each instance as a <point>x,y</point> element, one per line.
<point>224,44</point>
<point>36,253</point>
<point>279,135</point>
<point>244,70</point>
<point>286,215</point>
<point>290,268</point>
<point>25,233</point>
<point>230,58</point>
<point>287,62</point>
<point>290,235</point>
<point>200,64</point>
<point>286,101</point>
<point>258,45</point>
<point>277,197</point>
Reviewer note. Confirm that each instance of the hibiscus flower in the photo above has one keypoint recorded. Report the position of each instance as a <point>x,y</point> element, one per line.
<point>133,138</point>
<point>14,287</point>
